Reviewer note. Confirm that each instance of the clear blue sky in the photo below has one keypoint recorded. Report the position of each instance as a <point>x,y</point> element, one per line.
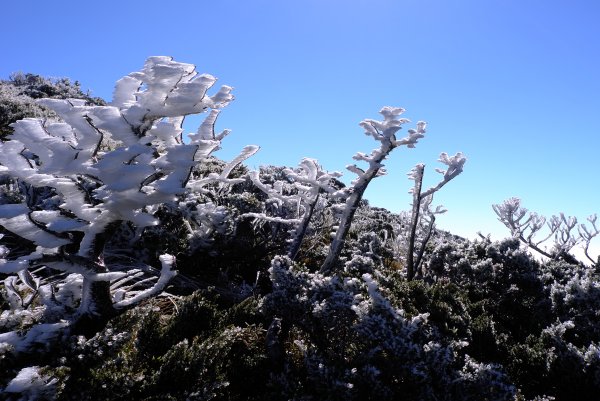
<point>514,84</point>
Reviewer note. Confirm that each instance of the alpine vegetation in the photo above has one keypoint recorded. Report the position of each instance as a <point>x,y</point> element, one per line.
<point>135,264</point>
<point>19,95</point>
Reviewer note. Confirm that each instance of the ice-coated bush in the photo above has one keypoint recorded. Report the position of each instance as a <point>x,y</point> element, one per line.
<point>577,299</point>
<point>302,193</point>
<point>350,342</point>
<point>538,320</point>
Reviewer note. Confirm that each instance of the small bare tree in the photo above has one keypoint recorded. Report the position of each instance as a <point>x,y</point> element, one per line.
<point>421,208</point>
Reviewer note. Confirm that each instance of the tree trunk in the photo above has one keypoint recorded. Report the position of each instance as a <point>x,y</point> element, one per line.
<point>99,308</point>
<point>410,265</point>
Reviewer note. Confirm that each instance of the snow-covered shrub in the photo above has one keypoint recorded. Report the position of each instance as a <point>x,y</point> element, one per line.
<point>341,337</point>
<point>504,283</point>
<point>366,256</point>
<point>577,299</point>
<point>549,364</point>
<point>539,321</point>
<point>384,230</point>
<point>476,376</point>
<point>193,348</point>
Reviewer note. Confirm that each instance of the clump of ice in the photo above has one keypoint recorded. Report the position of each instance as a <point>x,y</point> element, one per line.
<point>31,384</point>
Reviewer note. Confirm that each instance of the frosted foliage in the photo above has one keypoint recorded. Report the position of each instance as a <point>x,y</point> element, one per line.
<point>165,88</point>
<point>384,132</point>
<point>582,289</point>
<point>92,188</point>
<point>203,220</point>
<point>481,375</point>
<point>338,312</point>
<point>330,293</point>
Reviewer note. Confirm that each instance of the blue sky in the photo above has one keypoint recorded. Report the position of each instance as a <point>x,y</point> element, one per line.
<point>513,84</point>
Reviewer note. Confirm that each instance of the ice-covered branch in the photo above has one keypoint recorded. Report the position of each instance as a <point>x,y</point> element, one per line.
<point>587,235</point>
<point>417,175</point>
<point>455,167</point>
<point>167,272</point>
<point>199,184</point>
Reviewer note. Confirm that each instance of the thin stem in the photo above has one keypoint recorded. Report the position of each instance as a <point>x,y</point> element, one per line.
<point>410,264</point>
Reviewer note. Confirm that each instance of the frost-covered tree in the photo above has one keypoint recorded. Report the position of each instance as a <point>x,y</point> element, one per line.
<point>421,208</point>
<point>563,230</point>
<point>92,190</point>
<point>385,133</point>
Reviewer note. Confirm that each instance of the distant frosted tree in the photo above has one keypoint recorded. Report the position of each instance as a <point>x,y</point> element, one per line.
<point>529,229</point>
